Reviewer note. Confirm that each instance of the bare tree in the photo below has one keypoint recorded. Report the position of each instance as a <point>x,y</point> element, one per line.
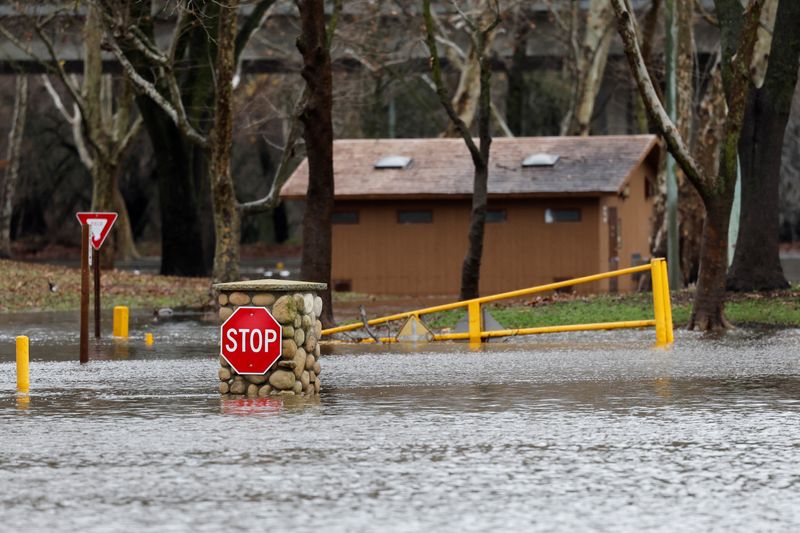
<point>10,178</point>
<point>482,29</point>
<point>176,95</point>
<point>738,29</point>
<point>102,125</point>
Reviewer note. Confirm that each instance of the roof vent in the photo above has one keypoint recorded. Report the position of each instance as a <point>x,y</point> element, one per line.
<point>540,160</point>
<point>393,161</point>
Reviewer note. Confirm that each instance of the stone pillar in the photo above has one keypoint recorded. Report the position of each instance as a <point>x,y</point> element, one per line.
<point>297,307</point>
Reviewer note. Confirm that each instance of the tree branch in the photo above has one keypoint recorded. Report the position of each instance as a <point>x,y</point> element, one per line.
<point>252,23</point>
<point>333,23</point>
<point>175,112</point>
<point>676,144</point>
<point>74,120</point>
<point>441,91</point>
<point>289,158</point>
<point>501,121</point>
<point>132,132</point>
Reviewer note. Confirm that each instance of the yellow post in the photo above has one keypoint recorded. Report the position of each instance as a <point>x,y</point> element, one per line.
<point>121,321</point>
<point>475,326</point>
<point>658,301</point>
<point>148,339</point>
<point>667,302</point>
<point>23,368</point>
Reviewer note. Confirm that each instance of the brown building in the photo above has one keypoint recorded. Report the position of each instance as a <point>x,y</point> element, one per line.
<point>559,207</point>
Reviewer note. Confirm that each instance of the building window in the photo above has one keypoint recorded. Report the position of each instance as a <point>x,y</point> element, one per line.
<point>342,285</point>
<point>496,215</point>
<point>345,217</point>
<point>553,216</point>
<point>424,216</point>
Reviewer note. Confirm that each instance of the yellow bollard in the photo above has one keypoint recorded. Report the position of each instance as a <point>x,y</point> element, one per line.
<point>23,368</point>
<point>667,303</point>
<point>121,321</point>
<point>148,339</point>
<point>658,301</point>
<point>474,314</point>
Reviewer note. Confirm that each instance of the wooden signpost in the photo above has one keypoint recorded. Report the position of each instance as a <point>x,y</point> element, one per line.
<point>95,227</point>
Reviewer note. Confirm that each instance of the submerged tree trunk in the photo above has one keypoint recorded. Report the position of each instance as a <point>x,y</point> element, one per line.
<point>317,121</point>
<point>738,30</point>
<point>223,195</point>
<point>708,310</point>
<point>8,185</point>
<point>756,262</point>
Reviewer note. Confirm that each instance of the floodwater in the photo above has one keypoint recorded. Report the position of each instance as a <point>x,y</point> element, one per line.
<point>597,432</point>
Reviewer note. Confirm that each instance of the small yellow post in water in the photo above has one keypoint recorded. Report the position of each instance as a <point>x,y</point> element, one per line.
<point>474,315</point>
<point>658,301</point>
<point>148,339</point>
<point>23,369</point>
<point>667,303</point>
<point>121,321</point>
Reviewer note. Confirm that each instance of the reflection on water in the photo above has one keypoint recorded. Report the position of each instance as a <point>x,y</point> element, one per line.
<point>576,432</point>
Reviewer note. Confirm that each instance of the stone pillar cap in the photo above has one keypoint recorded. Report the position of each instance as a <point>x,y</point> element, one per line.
<point>270,285</point>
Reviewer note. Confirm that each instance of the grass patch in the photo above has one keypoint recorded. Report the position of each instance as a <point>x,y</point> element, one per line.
<point>24,287</point>
<point>777,310</point>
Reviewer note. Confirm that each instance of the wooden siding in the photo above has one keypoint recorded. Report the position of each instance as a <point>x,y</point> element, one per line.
<point>380,256</point>
<point>635,213</point>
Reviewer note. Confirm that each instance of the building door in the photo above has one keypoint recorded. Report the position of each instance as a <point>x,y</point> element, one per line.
<point>613,247</point>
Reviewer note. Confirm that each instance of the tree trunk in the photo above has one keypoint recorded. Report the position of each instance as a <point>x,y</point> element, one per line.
<point>709,302</point>
<point>126,247</point>
<point>471,267</point>
<point>738,30</point>
<point>178,160</point>
<point>516,92</point>
<point>468,92</point>
<point>104,174</point>
<point>8,185</point>
<point>182,252</point>
<point>223,195</point>
<point>317,120</point>
<point>591,65</point>
<point>756,262</point>
<point>690,206</point>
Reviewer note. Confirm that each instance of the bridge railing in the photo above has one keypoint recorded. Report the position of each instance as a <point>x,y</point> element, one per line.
<point>661,321</point>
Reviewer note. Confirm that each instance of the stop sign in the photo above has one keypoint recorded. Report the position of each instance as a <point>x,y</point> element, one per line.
<point>251,340</point>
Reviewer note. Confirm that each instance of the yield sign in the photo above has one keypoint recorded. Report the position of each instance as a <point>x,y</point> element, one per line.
<point>99,226</point>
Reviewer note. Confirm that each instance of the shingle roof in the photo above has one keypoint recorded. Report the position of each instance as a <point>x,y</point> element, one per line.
<point>443,167</point>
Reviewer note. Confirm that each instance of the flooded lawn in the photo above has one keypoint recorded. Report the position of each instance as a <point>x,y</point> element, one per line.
<point>573,432</point>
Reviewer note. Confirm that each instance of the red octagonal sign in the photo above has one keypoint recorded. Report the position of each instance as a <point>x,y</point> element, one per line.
<point>251,340</point>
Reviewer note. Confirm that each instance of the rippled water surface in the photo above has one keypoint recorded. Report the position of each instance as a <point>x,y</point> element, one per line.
<point>568,433</point>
